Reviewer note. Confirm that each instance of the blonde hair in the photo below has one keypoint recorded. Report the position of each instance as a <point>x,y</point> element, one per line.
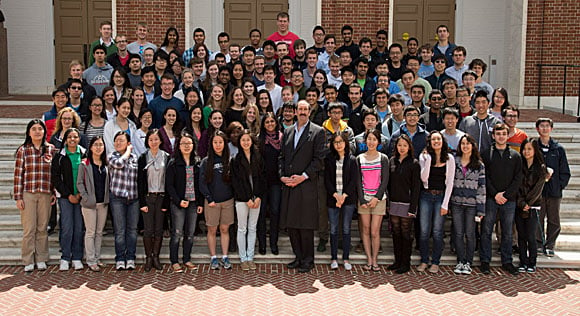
<point>76,118</point>
<point>255,126</point>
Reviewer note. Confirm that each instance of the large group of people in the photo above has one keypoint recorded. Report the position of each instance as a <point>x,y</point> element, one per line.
<point>251,141</point>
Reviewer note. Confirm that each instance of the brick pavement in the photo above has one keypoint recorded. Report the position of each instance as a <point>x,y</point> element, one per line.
<point>273,289</point>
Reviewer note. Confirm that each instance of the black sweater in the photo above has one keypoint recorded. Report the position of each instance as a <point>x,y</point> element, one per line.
<point>502,173</point>
<point>143,184</point>
<point>530,192</point>
<point>405,182</point>
<point>240,167</point>
<point>350,174</point>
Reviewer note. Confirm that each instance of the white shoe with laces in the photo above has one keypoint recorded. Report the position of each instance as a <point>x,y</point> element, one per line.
<point>63,265</point>
<point>29,267</point>
<point>41,266</point>
<point>459,268</point>
<point>467,268</point>
<point>77,264</point>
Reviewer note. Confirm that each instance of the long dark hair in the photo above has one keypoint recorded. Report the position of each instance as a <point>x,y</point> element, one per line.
<point>475,158</point>
<point>177,125</point>
<point>504,93</point>
<point>270,107</point>
<point>538,156</point>
<point>189,90</point>
<point>256,165</point>
<point>166,39</point>
<point>406,138</point>
<point>179,155</point>
<point>444,149</point>
<point>263,131</point>
<point>123,73</point>
<point>210,129</point>
<point>344,137</point>
<point>211,156</point>
<point>65,136</point>
<point>89,117</point>
<point>90,151</point>
<point>28,139</point>
<point>150,132</point>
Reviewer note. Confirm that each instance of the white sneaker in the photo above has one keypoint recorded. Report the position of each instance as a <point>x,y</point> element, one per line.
<point>467,268</point>
<point>63,265</point>
<point>130,265</point>
<point>77,264</point>
<point>459,268</point>
<point>334,265</point>
<point>347,266</point>
<point>29,268</point>
<point>41,266</point>
<point>120,265</point>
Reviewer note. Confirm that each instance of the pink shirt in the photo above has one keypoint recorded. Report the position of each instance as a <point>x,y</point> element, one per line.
<point>288,38</point>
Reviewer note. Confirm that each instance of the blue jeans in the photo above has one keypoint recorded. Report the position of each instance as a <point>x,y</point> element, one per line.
<point>464,229</point>
<point>272,200</point>
<point>333,217</point>
<point>506,214</point>
<point>72,230</point>
<point>183,225</point>
<point>246,236</point>
<point>431,221</point>
<point>125,218</point>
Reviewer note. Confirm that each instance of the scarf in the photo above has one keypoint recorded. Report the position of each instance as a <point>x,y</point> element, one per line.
<point>274,139</point>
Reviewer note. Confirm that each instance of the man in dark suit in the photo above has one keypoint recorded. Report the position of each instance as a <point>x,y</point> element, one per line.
<point>301,158</point>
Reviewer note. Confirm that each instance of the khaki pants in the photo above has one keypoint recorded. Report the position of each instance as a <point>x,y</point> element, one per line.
<point>34,220</point>
<point>94,224</point>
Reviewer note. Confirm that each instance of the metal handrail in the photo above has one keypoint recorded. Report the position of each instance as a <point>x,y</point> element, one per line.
<point>566,66</point>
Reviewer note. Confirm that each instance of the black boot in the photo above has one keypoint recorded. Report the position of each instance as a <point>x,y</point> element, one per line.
<point>148,245</point>
<point>157,242</point>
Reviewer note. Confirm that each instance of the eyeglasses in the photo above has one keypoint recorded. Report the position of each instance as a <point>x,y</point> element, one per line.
<point>76,88</point>
<point>66,119</point>
<point>98,145</point>
<point>122,41</point>
<point>383,81</point>
<point>436,98</point>
<point>338,142</point>
<point>186,144</point>
<point>336,113</point>
<point>97,105</point>
<point>440,61</point>
<point>412,115</point>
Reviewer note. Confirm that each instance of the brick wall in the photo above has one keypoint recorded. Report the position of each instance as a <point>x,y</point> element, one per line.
<point>366,17</point>
<point>164,14</point>
<point>561,46</point>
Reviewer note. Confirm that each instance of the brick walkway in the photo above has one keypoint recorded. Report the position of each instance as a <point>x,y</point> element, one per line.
<point>275,290</point>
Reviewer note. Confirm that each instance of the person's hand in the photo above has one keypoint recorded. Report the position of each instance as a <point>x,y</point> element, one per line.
<point>211,204</point>
<point>20,204</point>
<point>73,199</point>
<point>144,209</point>
<point>250,204</point>
<point>373,203</point>
<point>413,215</point>
<point>298,179</point>
<point>526,208</point>
<point>184,203</point>
<point>500,199</point>
<point>199,209</point>
<point>53,199</point>
<point>130,148</point>
<point>287,181</point>
<point>443,212</point>
<point>257,202</point>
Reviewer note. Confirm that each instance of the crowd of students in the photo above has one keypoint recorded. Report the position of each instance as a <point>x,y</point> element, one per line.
<point>138,137</point>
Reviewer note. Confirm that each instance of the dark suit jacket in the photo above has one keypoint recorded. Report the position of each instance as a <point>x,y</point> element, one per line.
<point>300,203</point>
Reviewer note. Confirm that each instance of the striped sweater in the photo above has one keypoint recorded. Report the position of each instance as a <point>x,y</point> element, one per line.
<point>469,189</point>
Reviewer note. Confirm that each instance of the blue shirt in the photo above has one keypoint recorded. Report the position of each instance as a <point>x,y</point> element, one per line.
<point>158,106</point>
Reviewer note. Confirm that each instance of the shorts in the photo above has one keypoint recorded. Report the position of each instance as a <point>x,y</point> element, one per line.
<point>221,214</point>
<point>380,209</point>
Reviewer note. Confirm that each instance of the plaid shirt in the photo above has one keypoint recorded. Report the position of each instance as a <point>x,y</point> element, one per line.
<point>123,175</point>
<point>32,170</point>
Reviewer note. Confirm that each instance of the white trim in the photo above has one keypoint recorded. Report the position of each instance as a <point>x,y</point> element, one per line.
<point>187,26</point>
<point>391,21</point>
<point>318,12</point>
<point>114,17</point>
<point>521,90</point>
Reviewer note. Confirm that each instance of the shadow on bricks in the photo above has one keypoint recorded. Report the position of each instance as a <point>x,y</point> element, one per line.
<point>289,281</point>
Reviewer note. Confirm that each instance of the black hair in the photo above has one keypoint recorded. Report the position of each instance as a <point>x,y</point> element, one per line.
<point>178,154</point>
<point>344,137</point>
<point>28,139</point>
<point>90,151</point>
<point>166,39</point>
<point>152,132</point>
<point>211,155</point>
<point>65,136</point>
<point>444,149</point>
<point>406,138</point>
<point>475,158</point>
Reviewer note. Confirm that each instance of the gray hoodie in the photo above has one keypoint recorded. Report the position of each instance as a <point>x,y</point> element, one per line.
<point>98,77</point>
<point>480,130</point>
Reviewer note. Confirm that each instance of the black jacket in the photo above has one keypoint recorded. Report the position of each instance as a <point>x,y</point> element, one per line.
<point>530,192</point>
<point>502,173</point>
<point>555,158</point>
<point>405,182</point>
<point>350,176</point>
<point>143,184</point>
<point>432,121</point>
<point>175,181</point>
<point>62,175</point>
<point>240,167</point>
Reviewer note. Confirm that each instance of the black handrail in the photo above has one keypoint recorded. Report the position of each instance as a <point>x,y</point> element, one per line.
<point>566,66</point>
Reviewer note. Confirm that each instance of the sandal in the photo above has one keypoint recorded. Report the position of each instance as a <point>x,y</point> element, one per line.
<point>190,265</point>
<point>376,268</point>
<point>367,267</point>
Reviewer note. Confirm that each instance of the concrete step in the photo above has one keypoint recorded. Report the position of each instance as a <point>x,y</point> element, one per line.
<point>562,259</point>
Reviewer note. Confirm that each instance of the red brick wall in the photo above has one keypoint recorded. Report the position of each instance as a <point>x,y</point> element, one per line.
<point>164,14</point>
<point>561,46</point>
<point>366,17</point>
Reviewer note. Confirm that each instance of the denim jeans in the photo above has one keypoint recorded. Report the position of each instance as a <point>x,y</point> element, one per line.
<point>183,225</point>
<point>464,230</point>
<point>333,217</point>
<point>431,221</point>
<point>125,218</point>
<point>272,200</point>
<point>527,238</point>
<point>247,223</point>
<point>506,214</point>
<point>72,230</point>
